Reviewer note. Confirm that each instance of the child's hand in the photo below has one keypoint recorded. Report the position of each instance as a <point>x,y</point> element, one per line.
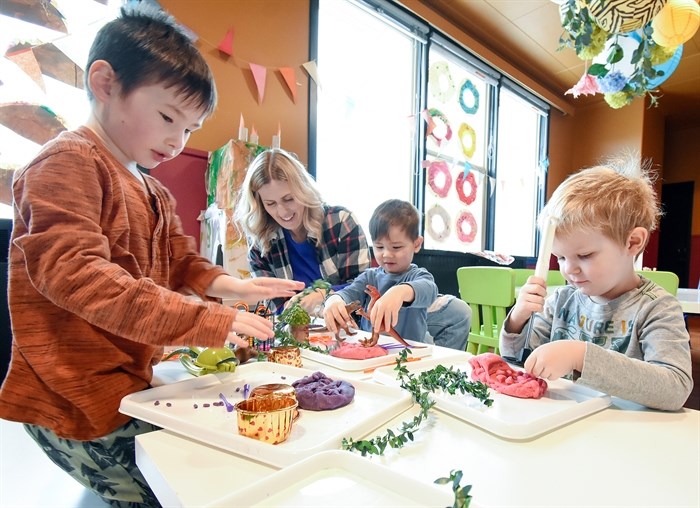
<point>556,359</point>
<point>530,299</point>
<point>251,325</point>
<point>336,315</point>
<point>385,312</point>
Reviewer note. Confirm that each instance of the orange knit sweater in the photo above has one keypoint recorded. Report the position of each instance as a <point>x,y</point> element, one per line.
<point>95,260</point>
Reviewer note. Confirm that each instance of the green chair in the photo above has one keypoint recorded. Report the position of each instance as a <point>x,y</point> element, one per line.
<point>489,292</point>
<point>667,280</point>
<point>554,277</point>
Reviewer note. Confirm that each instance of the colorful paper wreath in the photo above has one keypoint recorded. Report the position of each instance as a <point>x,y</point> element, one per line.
<point>435,168</point>
<point>461,180</point>
<point>469,86</point>
<point>466,217</point>
<point>437,71</point>
<point>436,113</point>
<point>467,129</point>
<point>438,211</point>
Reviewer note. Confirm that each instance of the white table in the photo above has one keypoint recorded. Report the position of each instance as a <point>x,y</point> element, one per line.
<point>622,456</point>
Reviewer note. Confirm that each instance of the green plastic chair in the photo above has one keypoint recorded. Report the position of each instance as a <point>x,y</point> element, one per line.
<point>489,291</point>
<point>554,277</point>
<point>667,280</point>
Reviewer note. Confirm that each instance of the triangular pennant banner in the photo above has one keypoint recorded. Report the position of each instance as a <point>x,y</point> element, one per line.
<point>291,81</point>
<point>25,60</point>
<point>226,44</point>
<point>260,77</point>
<point>311,68</point>
<point>55,63</point>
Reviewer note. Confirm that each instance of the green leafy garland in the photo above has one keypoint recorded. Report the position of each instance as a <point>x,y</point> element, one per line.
<point>420,388</point>
<point>462,497</point>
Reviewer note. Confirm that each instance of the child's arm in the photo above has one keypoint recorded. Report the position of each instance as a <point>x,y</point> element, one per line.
<point>335,314</point>
<point>253,290</point>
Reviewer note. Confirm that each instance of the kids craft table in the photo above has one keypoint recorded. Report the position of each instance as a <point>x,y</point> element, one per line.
<point>622,456</point>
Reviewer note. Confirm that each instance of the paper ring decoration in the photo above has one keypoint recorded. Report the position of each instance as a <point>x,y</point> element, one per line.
<point>676,23</point>
<point>465,129</point>
<point>436,113</point>
<point>621,16</point>
<point>466,217</point>
<point>436,168</point>
<point>437,71</point>
<point>437,211</point>
<point>461,180</point>
<point>468,86</point>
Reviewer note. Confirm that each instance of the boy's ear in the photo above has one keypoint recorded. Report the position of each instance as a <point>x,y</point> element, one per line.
<point>417,244</point>
<point>637,240</point>
<point>102,80</point>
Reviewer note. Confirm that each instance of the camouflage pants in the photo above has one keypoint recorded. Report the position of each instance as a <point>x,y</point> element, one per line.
<point>106,466</point>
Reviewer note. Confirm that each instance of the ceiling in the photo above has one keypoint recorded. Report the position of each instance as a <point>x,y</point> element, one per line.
<point>528,31</point>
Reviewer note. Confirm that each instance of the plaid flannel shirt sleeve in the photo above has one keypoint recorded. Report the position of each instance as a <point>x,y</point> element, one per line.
<point>344,253</point>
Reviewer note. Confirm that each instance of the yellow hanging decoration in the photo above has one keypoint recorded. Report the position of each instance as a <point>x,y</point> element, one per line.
<point>676,23</point>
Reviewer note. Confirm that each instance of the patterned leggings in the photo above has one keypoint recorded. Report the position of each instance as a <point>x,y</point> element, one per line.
<point>106,466</point>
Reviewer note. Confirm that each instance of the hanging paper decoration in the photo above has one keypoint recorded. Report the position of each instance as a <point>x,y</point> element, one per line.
<point>25,60</point>
<point>429,116</point>
<point>468,86</point>
<point>38,12</point>
<point>464,131</point>
<point>466,218</point>
<point>438,170</point>
<point>676,23</point>
<point>34,122</point>
<point>440,82</point>
<point>437,211</point>
<point>55,63</point>
<point>463,179</point>
<point>226,44</point>
<point>621,16</point>
<point>311,68</point>
<point>260,77</point>
<point>290,80</point>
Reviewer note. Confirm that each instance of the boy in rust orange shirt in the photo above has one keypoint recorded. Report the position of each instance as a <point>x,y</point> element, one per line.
<point>99,261</point>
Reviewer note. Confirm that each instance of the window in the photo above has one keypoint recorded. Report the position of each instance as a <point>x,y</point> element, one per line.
<point>405,112</point>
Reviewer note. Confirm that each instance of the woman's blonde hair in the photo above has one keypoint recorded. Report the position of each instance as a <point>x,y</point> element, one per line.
<point>250,213</point>
<point>613,198</point>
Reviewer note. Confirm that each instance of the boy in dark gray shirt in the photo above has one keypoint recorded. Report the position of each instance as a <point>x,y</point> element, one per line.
<point>618,333</point>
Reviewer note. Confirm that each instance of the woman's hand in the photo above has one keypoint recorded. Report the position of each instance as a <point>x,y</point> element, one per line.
<point>250,325</point>
<point>530,299</point>
<point>311,302</point>
<point>253,290</point>
<point>556,359</point>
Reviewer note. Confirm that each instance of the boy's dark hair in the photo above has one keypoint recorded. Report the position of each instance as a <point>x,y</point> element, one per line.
<point>394,212</point>
<point>145,46</point>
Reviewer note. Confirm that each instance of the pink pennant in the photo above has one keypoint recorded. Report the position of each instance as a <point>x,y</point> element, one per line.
<point>291,81</point>
<point>226,44</point>
<point>260,77</point>
<point>429,120</point>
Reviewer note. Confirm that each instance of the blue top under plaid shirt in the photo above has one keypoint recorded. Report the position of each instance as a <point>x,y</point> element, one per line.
<point>342,252</point>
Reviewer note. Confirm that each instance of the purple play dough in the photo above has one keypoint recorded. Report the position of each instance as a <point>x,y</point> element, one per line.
<point>319,393</point>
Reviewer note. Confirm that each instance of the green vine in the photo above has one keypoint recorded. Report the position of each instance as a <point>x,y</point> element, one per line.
<point>420,388</point>
<point>462,497</point>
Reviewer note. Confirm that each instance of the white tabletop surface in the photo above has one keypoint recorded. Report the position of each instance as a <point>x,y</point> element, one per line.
<point>622,456</point>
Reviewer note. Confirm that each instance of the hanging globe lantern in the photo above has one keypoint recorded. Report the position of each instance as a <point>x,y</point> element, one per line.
<point>676,23</point>
<point>622,16</point>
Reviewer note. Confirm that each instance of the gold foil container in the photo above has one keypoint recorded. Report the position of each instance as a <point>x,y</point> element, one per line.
<point>286,355</point>
<point>276,390</point>
<point>266,418</point>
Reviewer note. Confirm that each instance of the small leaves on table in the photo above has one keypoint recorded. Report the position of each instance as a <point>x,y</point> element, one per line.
<point>462,497</point>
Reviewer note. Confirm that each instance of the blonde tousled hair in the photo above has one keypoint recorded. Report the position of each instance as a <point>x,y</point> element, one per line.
<point>613,198</point>
<point>250,213</point>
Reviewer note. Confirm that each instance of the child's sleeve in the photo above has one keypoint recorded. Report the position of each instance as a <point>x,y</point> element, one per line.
<point>512,344</point>
<point>424,288</point>
<point>661,378</point>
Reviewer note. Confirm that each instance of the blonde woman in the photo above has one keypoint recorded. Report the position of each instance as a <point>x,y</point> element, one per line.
<point>293,234</point>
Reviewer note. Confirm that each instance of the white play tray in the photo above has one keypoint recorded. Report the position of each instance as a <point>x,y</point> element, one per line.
<point>338,478</point>
<point>509,417</point>
<point>371,363</point>
<point>172,407</point>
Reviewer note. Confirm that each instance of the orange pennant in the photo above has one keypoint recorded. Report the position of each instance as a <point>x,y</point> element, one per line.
<point>25,60</point>
<point>260,76</point>
<point>226,44</point>
<point>291,81</point>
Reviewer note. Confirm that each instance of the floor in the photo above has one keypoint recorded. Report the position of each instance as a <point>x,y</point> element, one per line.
<point>52,488</point>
